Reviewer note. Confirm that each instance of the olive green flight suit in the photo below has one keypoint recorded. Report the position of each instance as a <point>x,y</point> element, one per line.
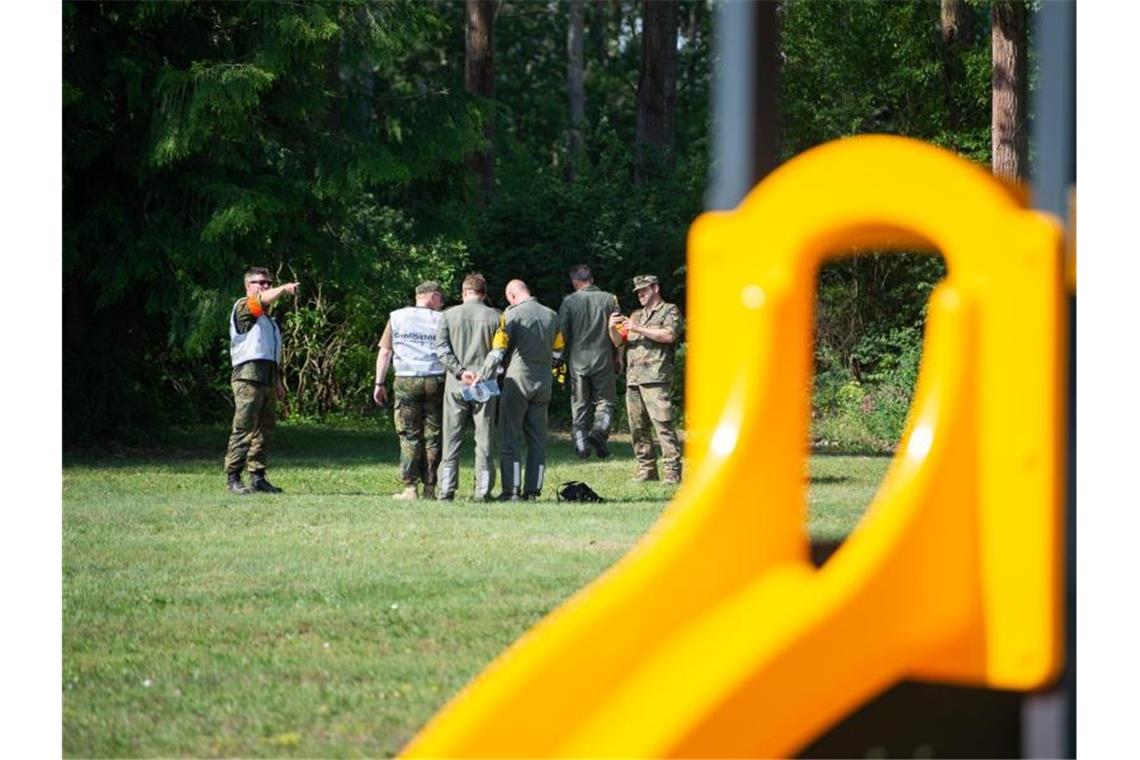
<point>462,342</point>
<point>584,316</point>
<point>529,341</point>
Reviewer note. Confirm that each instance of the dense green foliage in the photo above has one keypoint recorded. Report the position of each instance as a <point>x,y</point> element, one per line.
<point>328,141</point>
<point>858,67</point>
<point>328,621</point>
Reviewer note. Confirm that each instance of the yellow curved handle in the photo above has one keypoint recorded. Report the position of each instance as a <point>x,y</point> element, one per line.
<point>715,636</point>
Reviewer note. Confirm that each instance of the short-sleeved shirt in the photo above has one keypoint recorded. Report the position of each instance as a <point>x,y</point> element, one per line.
<point>649,361</point>
<point>263,371</point>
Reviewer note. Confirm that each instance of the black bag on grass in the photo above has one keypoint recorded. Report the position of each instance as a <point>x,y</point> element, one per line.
<point>576,490</point>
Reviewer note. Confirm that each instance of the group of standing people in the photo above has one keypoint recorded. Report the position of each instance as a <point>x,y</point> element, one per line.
<point>496,369</point>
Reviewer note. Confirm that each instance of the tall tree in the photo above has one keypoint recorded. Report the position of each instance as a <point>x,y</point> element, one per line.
<point>957,23</point>
<point>575,80</point>
<point>1010,89</point>
<point>480,80</point>
<point>657,85</point>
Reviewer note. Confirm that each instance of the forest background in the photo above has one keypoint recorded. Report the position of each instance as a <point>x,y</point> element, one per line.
<point>361,147</point>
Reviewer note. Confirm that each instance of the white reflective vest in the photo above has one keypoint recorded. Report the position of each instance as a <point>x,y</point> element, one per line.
<point>413,342</point>
<point>262,341</point>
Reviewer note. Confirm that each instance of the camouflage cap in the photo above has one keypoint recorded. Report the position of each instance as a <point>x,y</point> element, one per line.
<point>428,286</point>
<point>644,281</point>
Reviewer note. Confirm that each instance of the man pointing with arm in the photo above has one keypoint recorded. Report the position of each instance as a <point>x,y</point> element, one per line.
<point>255,353</point>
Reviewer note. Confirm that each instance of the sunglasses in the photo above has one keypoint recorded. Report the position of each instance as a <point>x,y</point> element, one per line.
<point>266,283</point>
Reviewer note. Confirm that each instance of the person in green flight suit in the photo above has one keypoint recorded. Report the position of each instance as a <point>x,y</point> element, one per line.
<point>255,353</point>
<point>650,337</point>
<point>462,343</point>
<point>593,360</point>
<point>529,341</point>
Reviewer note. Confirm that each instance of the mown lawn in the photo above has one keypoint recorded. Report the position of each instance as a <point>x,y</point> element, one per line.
<point>329,620</point>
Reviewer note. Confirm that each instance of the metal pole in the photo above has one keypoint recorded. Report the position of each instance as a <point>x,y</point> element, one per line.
<point>745,93</point>
<point>1049,718</point>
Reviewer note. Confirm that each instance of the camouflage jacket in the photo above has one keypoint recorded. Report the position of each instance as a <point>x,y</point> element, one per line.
<point>584,315</point>
<point>648,361</point>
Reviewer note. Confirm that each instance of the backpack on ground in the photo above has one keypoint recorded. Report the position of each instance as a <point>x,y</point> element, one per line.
<point>576,490</point>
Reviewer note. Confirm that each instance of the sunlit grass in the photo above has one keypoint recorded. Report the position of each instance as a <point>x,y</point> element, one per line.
<point>330,620</point>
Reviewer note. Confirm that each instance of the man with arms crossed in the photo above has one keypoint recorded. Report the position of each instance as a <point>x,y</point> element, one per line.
<point>409,341</point>
<point>255,353</point>
<point>462,343</point>
<point>593,359</point>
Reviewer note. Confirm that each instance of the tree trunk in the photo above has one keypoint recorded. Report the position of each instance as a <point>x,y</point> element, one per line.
<point>480,81</point>
<point>575,82</point>
<point>957,35</point>
<point>957,23</point>
<point>1010,90</point>
<point>657,86</point>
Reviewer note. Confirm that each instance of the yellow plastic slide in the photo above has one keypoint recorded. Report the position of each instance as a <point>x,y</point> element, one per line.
<point>715,636</point>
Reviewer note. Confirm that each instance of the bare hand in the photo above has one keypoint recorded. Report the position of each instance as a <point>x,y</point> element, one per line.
<point>280,391</point>
<point>380,395</point>
<point>468,377</point>
<point>616,320</point>
<point>291,288</point>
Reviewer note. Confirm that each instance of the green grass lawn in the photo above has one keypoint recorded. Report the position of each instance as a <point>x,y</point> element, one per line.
<point>329,620</point>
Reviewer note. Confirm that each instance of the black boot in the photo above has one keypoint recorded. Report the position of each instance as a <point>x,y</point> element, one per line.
<point>598,442</point>
<point>258,482</point>
<point>531,495</point>
<point>509,496</point>
<point>233,482</point>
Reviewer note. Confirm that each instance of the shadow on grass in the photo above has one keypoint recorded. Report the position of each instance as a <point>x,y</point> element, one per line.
<point>851,451</point>
<point>302,445</point>
<point>828,480</point>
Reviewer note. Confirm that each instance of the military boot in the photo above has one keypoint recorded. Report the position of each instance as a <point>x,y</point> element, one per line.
<point>258,482</point>
<point>596,439</point>
<point>509,496</point>
<point>644,476</point>
<point>672,478</point>
<point>531,495</point>
<point>408,494</point>
<point>233,482</point>
<point>429,492</point>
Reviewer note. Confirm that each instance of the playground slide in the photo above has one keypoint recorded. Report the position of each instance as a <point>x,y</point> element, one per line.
<point>715,636</point>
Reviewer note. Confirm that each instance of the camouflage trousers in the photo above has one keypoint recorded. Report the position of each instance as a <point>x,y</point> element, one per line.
<point>419,419</point>
<point>254,420</point>
<point>592,401</point>
<point>650,408</point>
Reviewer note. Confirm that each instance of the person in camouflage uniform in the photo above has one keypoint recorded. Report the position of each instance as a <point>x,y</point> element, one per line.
<point>529,341</point>
<point>409,342</point>
<point>462,344</point>
<point>593,360</point>
<point>650,336</point>
<point>255,353</point>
